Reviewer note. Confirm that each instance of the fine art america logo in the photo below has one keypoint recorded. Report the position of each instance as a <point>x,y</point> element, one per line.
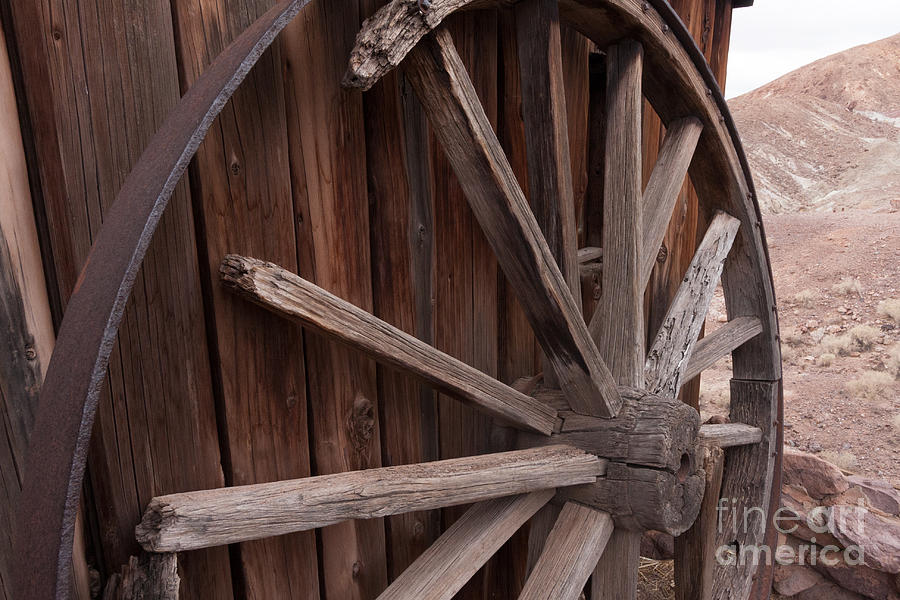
<point>734,518</point>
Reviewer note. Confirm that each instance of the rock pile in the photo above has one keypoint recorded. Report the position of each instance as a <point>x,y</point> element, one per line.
<point>840,535</point>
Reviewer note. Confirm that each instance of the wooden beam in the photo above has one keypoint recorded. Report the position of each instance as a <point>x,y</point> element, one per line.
<point>546,131</point>
<point>295,298</point>
<point>695,549</point>
<point>220,516</point>
<point>668,357</point>
<point>441,571</point>
<point>573,548</point>
<point>664,186</point>
<point>589,254</point>
<point>726,435</point>
<point>442,84</point>
<point>546,137</point>
<point>721,342</point>
<point>618,322</point>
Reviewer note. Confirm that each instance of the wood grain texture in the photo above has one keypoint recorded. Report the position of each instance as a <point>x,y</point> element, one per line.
<point>747,483</point>
<point>649,430</point>
<point>145,577</point>
<point>618,322</point>
<point>441,571</point>
<point>670,353</point>
<point>550,196</point>
<point>573,547</point>
<point>726,435</point>
<point>665,183</point>
<point>241,184</point>
<point>718,344</point>
<point>227,515</point>
<point>327,156</point>
<point>402,233</point>
<point>608,582</point>
<point>497,201</point>
<point>546,137</point>
<point>695,549</point>
<point>293,297</point>
<point>112,87</point>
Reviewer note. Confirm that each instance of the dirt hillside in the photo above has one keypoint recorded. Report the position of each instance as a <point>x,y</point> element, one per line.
<point>827,136</point>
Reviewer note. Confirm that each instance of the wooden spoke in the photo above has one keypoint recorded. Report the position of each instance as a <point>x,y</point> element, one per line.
<point>457,555</point>
<point>295,298</point>
<point>695,549</point>
<point>664,185</point>
<point>589,254</point>
<point>573,548</point>
<point>546,137</point>
<point>448,97</point>
<point>726,435</point>
<point>546,131</point>
<point>672,348</point>
<point>618,322</point>
<point>215,517</point>
<point>616,575</point>
<point>723,341</point>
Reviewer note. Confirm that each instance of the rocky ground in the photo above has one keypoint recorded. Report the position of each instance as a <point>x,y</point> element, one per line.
<point>837,282</point>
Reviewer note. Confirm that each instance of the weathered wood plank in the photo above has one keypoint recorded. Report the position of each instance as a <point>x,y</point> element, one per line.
<point>723,341</point>
<point>747,482</point>
<point>546,131</point>
<point>242,182</point>
<point>615,582</point>
<point>664,186</point>
<point>441,571</point>
<point>111,86</point>
<point>618,323</point>
<point>228,515</point>
<point>497,201</point>
<point>327,153</point>
<point>671,350</point>
<point>402,230</point>
<point>589,254</point>
<point>695,549</point>
<point>148,577</point>
<point>725,435</point>
<point>293,297</point>
<point>574,546</point>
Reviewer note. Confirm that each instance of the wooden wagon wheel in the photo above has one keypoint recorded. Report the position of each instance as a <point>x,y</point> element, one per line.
<point>602,436</point>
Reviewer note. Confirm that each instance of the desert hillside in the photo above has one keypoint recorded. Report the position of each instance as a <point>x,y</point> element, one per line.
<point>827,136</point>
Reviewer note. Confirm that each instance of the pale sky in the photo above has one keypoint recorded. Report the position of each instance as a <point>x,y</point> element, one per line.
<point>774,37</point>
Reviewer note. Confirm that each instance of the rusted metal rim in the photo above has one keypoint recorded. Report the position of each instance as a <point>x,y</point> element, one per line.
<point>68,402</point>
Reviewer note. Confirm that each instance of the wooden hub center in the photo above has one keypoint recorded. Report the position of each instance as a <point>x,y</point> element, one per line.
<point>653,477</point>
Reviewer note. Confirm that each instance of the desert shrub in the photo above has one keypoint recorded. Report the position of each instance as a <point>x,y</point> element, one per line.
<point>825,360</point>
<point>840,345</point>
<point>792,337</point>
<point>806,298</point>
<point>843,459</point>
<point>893,361</point>
<point>846,287</point>
<point>788,355</point>
<point>870,385</point>
<point>864,337</point>
<point>890,308</point>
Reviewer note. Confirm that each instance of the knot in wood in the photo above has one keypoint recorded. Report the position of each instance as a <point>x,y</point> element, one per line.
<point>362,423</point>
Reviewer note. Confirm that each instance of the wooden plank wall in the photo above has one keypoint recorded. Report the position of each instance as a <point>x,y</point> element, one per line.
<point>350,190</point>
